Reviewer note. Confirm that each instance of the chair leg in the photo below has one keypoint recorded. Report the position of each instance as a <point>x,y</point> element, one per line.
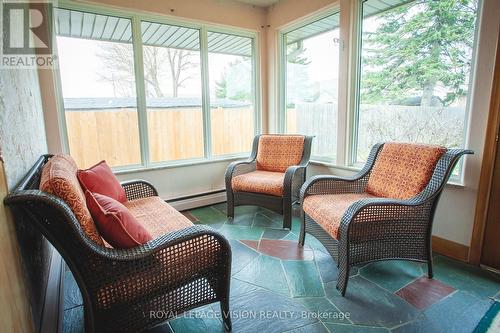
<point>230,205</point>
<point>343,278</point>
<point>287,213</point>
<point>302,235</point>
<point>226,315</point>
<point>429,268</point>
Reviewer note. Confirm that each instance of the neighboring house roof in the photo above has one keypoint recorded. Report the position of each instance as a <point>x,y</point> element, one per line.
<point>99,103</point>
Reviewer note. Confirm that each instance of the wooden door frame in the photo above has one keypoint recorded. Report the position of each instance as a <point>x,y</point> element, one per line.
<point>487,166</point>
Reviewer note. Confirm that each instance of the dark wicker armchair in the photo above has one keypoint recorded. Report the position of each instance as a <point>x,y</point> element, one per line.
<point>357,227</point>
<point>130,290</point>
<point>272,176</point>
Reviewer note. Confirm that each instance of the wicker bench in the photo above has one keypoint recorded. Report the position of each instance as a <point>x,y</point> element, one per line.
<point>121,288</point>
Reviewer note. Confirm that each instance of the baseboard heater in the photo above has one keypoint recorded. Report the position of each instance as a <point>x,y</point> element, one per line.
<point>198,200</point>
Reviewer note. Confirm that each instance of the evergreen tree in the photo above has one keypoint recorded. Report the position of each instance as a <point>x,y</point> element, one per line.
<point>418,47</point>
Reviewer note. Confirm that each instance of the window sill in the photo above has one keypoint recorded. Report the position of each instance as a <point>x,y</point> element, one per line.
<point>178,164</point>
<point>452,182</point>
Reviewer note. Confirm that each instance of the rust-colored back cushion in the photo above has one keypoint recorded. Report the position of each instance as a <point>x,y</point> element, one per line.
<point>278,152</point>
<point>59,179</point>
<point>402,170</point>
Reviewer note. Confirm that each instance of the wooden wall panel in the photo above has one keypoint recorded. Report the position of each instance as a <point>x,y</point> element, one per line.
<point>15,315</point>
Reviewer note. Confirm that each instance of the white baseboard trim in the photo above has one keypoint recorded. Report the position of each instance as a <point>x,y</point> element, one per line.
<point>199,201</point>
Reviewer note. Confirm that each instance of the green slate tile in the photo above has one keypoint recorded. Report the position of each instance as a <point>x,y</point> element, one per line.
<point>72,295</point>
<point>291,236</point>
<point>313,243</point>
<point>275,233</point>
<point>313,328</point>
<point>210,216</point>
<point>340,328</point>
<point>202,319</point>
<point>370,305</point>
<point>324,310</point>
<point>392,274</point>
<point>269,312</point>
<point>466,277</point>
<point>265,272</point>
<point>162,328</point>
<point>241,232</point>
<point>244,215</point>
<point>73,320</point>
<point>242,255</point>
<point>221,207</point>
<point>459,312</point>
<point>303,278</point>
<point>421,325</point>
<point>296,223</point>
<point>239,288</point>
<point>261,220</point>
<point>270,214</point>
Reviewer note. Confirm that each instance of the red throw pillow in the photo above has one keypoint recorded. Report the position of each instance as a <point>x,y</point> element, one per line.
<point>115,223</point>
<point>100,179</point>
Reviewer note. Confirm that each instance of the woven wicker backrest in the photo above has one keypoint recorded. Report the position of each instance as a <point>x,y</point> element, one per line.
<point>278,152</point>
<point>403,170</point>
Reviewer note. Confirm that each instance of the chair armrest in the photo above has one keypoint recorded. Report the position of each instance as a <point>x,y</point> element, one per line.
<point>196,233</point>
<point>334,185</point>
<point>238,168</point>
<point>294,178</point>
<point>326,184</point>
<point>137,189</point>
<point>385,210</point>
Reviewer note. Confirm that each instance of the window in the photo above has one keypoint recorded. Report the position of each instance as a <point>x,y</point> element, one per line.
<point>137,92</point>
<point>172,76</point>
<point>231,93</point>
<point>415,72</point>
<point>99,92</point>
<point>310,82</point>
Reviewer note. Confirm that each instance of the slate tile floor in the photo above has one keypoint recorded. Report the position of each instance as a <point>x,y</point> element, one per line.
<point>278,287</point>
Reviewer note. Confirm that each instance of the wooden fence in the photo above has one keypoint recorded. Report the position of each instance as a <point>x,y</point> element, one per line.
<point>174,134</point>
<point>378,123</point>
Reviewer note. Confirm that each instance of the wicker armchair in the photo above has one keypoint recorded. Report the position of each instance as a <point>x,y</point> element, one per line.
<point>370,228</point>
<point>287,158</point>
<point>130,290</point>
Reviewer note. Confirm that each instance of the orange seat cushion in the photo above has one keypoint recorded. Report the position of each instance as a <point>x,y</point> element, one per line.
<point>59,178</point>
<point>327,209</point>
<point>265,182</point>
<point>278,152</point>
<point>156,216</point>
<point>403,170</point>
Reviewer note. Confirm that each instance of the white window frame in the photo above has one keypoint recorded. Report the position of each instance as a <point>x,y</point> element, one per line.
<point>353,138</point>
<point>346,155</point>
<point>282,73</point>
<point>203,28</point>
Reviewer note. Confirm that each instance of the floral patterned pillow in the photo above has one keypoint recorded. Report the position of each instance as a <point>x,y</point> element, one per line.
<point>59,178</point>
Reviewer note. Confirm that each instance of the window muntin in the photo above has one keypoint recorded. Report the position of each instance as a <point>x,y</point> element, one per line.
<point>311,84</point>
<point>232,97</point>
<point>100,110</point>
<point>172,77</point>
<point>415,73</point>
